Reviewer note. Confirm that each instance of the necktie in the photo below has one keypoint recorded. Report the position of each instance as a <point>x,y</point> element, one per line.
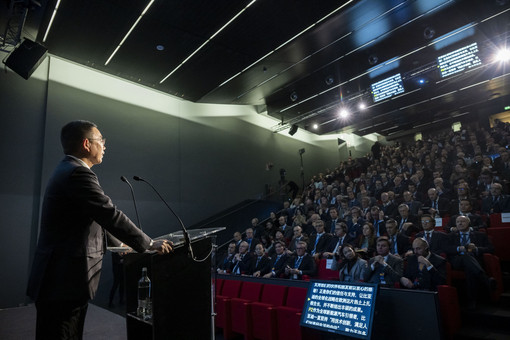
<point>463,239</point>
<point>316,241</point>
<point>427,236</point>
<point>298,262</point>
<point>258,260</point>
<point>394,244</point>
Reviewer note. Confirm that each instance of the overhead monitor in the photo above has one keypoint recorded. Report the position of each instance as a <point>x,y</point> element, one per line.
<point>387,88</point>
<point>459,60</point>
<point>343,308</point>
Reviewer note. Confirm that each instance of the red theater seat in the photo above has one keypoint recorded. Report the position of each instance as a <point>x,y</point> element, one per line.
<point>449,308</point>
<point>289,316</point>
<point>231,289</point>
<point>493,269</point>
<point>218,286</point>
<point>326,274</point>
<point>263,313</point>
<point>240,311</point>
<point>499,238</point>
<point>495,221</point>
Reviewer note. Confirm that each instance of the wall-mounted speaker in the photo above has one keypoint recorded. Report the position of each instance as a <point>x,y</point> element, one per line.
<point>293,129</point>
<point>26,58</point>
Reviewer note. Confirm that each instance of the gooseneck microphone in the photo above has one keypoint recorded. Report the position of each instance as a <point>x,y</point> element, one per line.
<point>184,231</point>
<point>124,179</point>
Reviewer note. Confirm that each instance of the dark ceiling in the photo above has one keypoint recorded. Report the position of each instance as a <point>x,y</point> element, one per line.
<point>301,60</point>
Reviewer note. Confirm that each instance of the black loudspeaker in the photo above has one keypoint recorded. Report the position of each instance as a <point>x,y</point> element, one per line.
<point>293,129</point>
<point>25,59</point>
<point>340,141</point>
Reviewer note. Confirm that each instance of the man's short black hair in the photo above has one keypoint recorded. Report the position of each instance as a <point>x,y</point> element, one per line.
<point>73,133</point>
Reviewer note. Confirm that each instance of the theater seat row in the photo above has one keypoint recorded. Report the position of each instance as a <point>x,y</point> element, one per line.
<point>258,310</point>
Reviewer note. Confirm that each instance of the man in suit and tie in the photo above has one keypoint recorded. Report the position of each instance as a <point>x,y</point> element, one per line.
<point>298,236</point>
<point>437,240</point>
<point>260,264</point>
<point>384,268</point>
<point>407,224</point>
<point>465,251</point>
<point>279,261</point>
<point>438,206</point>
<point>251,240</point>
<point>414,206</point>
<point>465,209</point>
<point>337,240</point>
<point>77,218</point>
<point>333,213</point>
<point>300,264</point>
<point>319,241</point>
<point>285,228</point>
<point>387,206</point>
<point>399,243</point>
<point>241,261</point>
<point>424,270</point>
<point>224,264</point>
<point>496,202</point>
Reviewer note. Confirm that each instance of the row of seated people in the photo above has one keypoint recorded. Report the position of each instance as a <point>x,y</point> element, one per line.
<point>424,253</point>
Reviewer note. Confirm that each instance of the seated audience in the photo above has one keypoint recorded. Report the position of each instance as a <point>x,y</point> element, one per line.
<point>300,264</point>
<point>351,265</point>
<point>384,268</point>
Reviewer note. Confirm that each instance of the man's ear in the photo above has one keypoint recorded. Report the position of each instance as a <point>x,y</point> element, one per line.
<point>85,144</point>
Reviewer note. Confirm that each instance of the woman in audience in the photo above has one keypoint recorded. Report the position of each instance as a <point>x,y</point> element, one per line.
<point>351,265</point>
<point>365,244</point>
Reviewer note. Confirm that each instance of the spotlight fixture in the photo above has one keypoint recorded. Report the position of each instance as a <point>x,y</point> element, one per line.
<point>373,59</point>
<point>329,80</point>
<point>362,106</point>
<point>293,96</point>
<point>343,113</point>
<point>429,33</point>
<point>503,55</point>
<point>293,129</point>
<point>315,126</point>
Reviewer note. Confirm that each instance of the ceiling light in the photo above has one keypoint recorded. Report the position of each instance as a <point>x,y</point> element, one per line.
<point>160,47</point>
<point>293,96</point>
<point>362,106</point>
<point>343,113</point>
<point>51,21</point>
<point>503,55</point>
<point>129,32</point>
<point>315,126</point>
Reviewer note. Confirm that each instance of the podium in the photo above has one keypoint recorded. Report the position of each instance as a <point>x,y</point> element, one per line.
<point>181,289</point>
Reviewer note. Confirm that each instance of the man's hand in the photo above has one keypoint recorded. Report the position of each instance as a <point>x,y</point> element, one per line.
<point>406,282</point>
<point>162,246</point>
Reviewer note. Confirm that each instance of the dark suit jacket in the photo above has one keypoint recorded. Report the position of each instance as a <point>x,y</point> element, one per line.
<point>426,279</point>
<point>403,244</point>
<point>322,244</point>
<point>502,204</point>
<point>438,242</point>
<point>389,210</point>
<point>416,227</point>
<point>243,264</point>
<point>264,265</point>
<point>476,222</point>
<point>69,254</point>
<point>292,244</point>
<point>443,206</point>
<point>278,264</point>
<point>307,265</point>
<point>478,238</point>
<point>392,272</point>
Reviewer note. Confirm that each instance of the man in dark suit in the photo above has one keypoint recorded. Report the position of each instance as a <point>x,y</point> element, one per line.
<point>385,268</point>
<point>76,216</point>
<point>251,240</point>
<point>436,240</point>
<point>399,243</point>
<point>387,206</point>
<point>225,262</point>
<point>465,251</point>
<point>465,209</point>
<point>438,206</point>
<point>424,270</point>
<point>414,206</point>
<point>407,224</point>
<point>260,263</point>
<point>496,202</point>
<point>241,261</point>
<point>300,264</point>
<point>298,236</point>
<point>319,241</point>
<point>337,240</point>
<point>279,261</point>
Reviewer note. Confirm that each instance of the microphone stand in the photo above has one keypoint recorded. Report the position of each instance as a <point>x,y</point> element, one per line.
<point>184,231</point>
<point>124,179</point>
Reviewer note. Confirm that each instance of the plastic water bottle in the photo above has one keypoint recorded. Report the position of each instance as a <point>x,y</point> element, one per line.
<point>144,296</point>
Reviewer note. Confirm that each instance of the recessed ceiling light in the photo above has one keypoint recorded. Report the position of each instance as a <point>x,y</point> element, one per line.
<point>160,47</point>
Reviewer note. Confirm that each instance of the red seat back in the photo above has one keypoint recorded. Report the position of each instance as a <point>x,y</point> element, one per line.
<point>219,286</point>
<point>326,274</point>
<point>296,297</point>
<point>274,294</point>
<point>231,288</point>
<point>251,291</point>
<point>495,220</point>
<point>499,238</point>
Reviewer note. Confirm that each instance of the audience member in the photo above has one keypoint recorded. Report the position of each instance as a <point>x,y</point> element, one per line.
<point>300,264</point>
<point>399,243</point>
<point>351,266</point>
<point>279,261</point>
<point>424,270</point>
<point>260,264</point>
<point>319,241</point>
<point>384,268</point>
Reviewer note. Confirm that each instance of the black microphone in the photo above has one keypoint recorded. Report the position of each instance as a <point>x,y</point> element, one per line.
<point>184,231</point>
<point>124,179</point>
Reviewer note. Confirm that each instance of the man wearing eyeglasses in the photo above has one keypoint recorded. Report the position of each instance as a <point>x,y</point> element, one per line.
<point>76,216</point>
<point>300,264</point>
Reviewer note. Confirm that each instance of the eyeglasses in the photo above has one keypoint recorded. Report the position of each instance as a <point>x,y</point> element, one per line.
<point>102,140</point>
<point>426,221</point>
<point>300,248</point>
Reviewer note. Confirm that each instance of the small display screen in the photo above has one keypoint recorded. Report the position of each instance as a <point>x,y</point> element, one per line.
<point>344,308</point>
<point>459,60</point>
<point>387,88</point>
